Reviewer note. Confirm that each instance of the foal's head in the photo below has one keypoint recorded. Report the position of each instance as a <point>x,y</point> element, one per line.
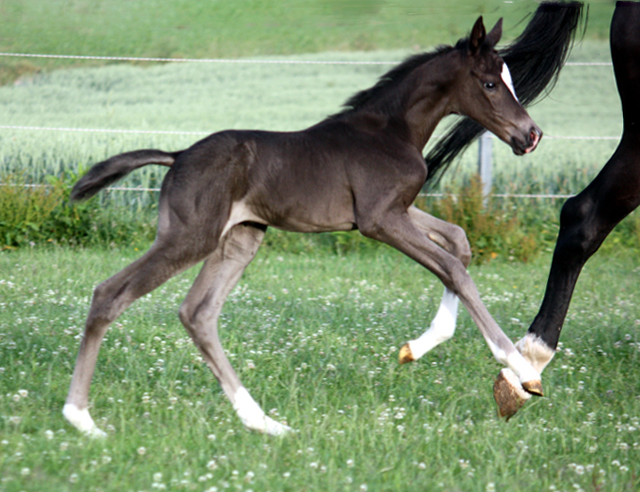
<point>485,92</point>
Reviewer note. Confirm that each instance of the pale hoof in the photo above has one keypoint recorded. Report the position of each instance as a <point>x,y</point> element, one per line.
<point>267,425</point>
<point>405,354</point>
<point>274,428</point>
<point>81,420</point>
<point>509,394</point>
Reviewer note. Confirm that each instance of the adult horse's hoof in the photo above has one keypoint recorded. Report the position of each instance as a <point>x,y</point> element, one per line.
<point>509,394</point>
<point>405,354</point>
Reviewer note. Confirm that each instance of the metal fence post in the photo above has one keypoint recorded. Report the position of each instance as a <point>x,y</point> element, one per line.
<point>485,157</point>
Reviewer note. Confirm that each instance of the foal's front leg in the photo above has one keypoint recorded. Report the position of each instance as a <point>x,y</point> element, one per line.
<point>398,229</point>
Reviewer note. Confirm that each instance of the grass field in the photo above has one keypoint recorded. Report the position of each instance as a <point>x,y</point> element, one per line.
<point>219,29</point>
<point>315,339</point>
<point>211,97</point>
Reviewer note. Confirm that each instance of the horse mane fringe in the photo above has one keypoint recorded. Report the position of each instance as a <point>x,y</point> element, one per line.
<point>535,59</point>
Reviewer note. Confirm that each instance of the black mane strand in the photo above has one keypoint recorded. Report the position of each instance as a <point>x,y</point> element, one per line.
<point>388,83</point>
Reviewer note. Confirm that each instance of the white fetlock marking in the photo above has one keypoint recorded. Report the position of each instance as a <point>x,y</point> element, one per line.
<point>514,382</point>
<point>442,327</point>
<point>253,416</point>
<point>516,362</point>
<point>525,371</point>
<point>81,420</point>
<point>508,81</point>
<point>537,352</point>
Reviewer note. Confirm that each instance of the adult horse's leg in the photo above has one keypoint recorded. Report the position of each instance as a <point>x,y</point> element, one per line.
<point>398,229</point>
<point>585,222</point>
<point>164,260</point>
<point>587,219</point>
<point>454,240</point>
<point>199,314</point>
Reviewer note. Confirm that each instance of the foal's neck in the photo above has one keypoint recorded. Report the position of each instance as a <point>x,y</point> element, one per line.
<point>431,86</point>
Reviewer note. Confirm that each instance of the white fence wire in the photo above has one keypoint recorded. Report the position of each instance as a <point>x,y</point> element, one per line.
<point>251,61</point>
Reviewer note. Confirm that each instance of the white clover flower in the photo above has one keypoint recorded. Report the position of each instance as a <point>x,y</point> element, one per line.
<point>142,450</point>
<point>48,434</point>
<point>23,393</point>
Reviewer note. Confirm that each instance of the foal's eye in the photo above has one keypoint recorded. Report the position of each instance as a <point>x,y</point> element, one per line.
<point>489,86</point>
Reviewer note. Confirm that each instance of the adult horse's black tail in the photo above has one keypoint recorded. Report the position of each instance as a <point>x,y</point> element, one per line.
<point>534,59</point>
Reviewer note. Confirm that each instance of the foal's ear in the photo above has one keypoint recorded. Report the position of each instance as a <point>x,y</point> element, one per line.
<point>477,37</point>
<point>494,35</point>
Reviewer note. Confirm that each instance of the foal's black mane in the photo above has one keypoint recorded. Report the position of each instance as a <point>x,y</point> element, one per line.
<point>389,82</point>
<point>534,60</point>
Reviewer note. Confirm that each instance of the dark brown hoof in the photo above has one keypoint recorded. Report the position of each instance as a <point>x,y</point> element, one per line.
<point>509,394</point>
<point>533,387</point>
<point>405,354</point>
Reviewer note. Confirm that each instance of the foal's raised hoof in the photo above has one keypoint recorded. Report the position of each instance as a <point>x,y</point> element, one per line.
<point>405,354</point>
<point>509,394</point>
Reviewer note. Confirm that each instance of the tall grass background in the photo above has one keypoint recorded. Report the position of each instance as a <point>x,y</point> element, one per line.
<point>209,97</point>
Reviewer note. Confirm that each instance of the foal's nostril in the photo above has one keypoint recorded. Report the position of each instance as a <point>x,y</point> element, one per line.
<point>534,136</point>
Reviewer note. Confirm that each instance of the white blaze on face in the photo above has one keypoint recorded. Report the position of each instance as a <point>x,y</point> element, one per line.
<point>506,78</point>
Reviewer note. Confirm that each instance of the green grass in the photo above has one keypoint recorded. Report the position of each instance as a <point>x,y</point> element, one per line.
<point>212,97</point>
<point>221,29</point>
<point>315,340</point>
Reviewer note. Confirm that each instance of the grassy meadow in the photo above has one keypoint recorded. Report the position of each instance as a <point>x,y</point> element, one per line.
<point>204,98</point>
<point>316,338</point>
<point>219,29</point>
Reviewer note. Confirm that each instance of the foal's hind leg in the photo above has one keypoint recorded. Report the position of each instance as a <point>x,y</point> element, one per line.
<point>453,239</point>
<point>110,299</point>
<point>199,314</point>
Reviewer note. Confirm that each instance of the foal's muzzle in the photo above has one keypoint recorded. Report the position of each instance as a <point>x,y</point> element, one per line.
<point>528,142</point>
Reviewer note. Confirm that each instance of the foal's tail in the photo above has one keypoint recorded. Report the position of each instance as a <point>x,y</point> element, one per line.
<point>534,59</point>
<point>107,172</point>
